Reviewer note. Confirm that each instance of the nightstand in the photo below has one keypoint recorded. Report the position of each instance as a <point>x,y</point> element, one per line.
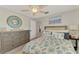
<point>76,43</point>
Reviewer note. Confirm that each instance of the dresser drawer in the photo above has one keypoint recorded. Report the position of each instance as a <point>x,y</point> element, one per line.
<point>7,46</point>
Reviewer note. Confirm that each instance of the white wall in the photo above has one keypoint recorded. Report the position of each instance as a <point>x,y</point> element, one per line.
<point>4,14</point>
<point>68,18</point>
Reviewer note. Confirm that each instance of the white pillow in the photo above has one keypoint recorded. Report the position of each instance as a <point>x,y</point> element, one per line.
<point>47,33</point>
<point>60,35</point>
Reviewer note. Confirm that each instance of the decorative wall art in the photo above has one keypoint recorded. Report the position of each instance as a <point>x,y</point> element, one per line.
<point>55,20</point>
<point>14,21</point>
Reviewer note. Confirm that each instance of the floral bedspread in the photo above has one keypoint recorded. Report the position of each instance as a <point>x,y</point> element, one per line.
<point>49,45</point>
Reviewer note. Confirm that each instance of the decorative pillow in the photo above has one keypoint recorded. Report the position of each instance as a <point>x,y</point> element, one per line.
<point>58,35</point>
<point>47,33</point>
<point>54,35</point>
<point>66,35</point>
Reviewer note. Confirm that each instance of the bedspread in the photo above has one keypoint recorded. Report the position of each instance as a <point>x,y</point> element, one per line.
<point>49,45</point>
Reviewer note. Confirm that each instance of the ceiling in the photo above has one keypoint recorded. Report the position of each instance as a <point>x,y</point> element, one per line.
<point>52,9</point>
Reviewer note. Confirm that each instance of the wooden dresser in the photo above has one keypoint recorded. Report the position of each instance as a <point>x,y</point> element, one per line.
<point>12,39</point>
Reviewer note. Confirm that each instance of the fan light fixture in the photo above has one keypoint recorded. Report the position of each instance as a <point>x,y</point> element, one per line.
<point>35,9</point>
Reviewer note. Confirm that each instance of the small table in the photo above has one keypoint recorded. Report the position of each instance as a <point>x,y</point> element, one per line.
<point>76,43</point>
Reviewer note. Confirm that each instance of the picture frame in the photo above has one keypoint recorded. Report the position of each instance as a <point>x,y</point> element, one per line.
<point>55,20</point>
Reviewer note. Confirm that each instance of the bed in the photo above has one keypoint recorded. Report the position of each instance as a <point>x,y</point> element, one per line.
<point>50,43</point>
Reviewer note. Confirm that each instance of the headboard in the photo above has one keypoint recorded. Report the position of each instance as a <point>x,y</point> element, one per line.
<point>55,28</point>
<point>63,29</point>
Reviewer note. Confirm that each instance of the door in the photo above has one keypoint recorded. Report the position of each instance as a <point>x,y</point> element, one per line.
<point>33,29</point>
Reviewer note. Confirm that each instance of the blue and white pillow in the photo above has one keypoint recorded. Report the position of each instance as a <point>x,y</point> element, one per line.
<point>58,35</point>
<point>66,35</point>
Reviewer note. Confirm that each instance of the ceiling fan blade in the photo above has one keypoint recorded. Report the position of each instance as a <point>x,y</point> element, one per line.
<point>45,12</point>
<point>24,10</point>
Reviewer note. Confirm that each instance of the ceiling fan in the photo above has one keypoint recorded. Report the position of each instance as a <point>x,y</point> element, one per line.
<point>35,9</point>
